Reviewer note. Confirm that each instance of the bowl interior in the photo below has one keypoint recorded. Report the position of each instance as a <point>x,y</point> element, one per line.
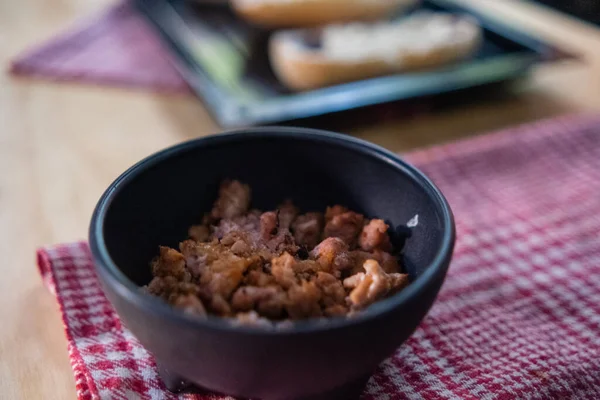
<point>158,199</point>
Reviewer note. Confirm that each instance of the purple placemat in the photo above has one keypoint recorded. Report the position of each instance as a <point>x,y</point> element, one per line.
<point>116,48</point>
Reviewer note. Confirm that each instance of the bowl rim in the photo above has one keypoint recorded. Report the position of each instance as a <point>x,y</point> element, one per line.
<point>124,287</point>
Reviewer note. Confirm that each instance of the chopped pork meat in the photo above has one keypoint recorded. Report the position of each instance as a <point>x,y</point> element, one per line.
<point>271,268</point>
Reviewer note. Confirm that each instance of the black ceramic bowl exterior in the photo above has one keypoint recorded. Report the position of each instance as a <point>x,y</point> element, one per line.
<point>155,201</point>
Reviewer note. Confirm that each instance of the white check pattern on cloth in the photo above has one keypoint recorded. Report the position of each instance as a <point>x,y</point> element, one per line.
<point>517,318</point>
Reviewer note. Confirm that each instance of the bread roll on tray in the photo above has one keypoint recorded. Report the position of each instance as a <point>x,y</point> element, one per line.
<point>305,13</point>
<point>306,59</point>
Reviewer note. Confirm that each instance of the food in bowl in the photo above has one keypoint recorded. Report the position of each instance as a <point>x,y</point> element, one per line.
<point>277,266</point>
<point>155,201</point>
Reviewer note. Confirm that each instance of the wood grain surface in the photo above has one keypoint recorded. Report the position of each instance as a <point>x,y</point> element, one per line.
<point>62,144</point>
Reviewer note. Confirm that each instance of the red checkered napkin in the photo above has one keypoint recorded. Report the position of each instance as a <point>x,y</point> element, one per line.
<point>518,315</point>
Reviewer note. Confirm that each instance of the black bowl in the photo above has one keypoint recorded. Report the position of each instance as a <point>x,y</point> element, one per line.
<point>154,202</point>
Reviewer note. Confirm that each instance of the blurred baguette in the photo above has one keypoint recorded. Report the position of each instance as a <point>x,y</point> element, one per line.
<point>305,13</point>
<point>309,59</point>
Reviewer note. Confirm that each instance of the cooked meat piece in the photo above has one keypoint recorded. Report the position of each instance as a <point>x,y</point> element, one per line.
<point>269,301</point>
<point>373,284</point>
<point>303,301</point>
<point>199,255</point>
<point>190,304</point>
<point>361,295</point>
<point>336,310</point>
<point>158,287</point>
<point>220,306</point>
<point>388,262</point>
<point>274,306</point>
<point>185,288</point>
<point>249,223</point>
<point>332,289</point>
<point>225,274</point>
<point>233,200</point>
<point>332,253</point>
<point>251,318</point>
<point>358,259</point>
<point>240,248</point>
<point>307,229</point>
<point>169,288</point>
<point>282,242</point>
<point>336,210</point>
<point>398,282</point>
<point>287,269</point>
<point>170,262</point>
<point>199,233</point>
<point>306,269</point>
<point>345,226</point>
<point>247,297</point>
<point>240,243</point>
<point>282,269</point>
<point>374,236</point>
<point>287,212</point>
<point>259,278</point>
<point>352,281</point>
<point>231,237</point>
<point>268,225</point>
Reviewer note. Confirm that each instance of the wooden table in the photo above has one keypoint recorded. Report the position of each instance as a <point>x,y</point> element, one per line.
<point>61,145</point>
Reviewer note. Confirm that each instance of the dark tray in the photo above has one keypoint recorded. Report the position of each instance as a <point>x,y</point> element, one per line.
<point>225,62</point>
<point>587,10</point>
